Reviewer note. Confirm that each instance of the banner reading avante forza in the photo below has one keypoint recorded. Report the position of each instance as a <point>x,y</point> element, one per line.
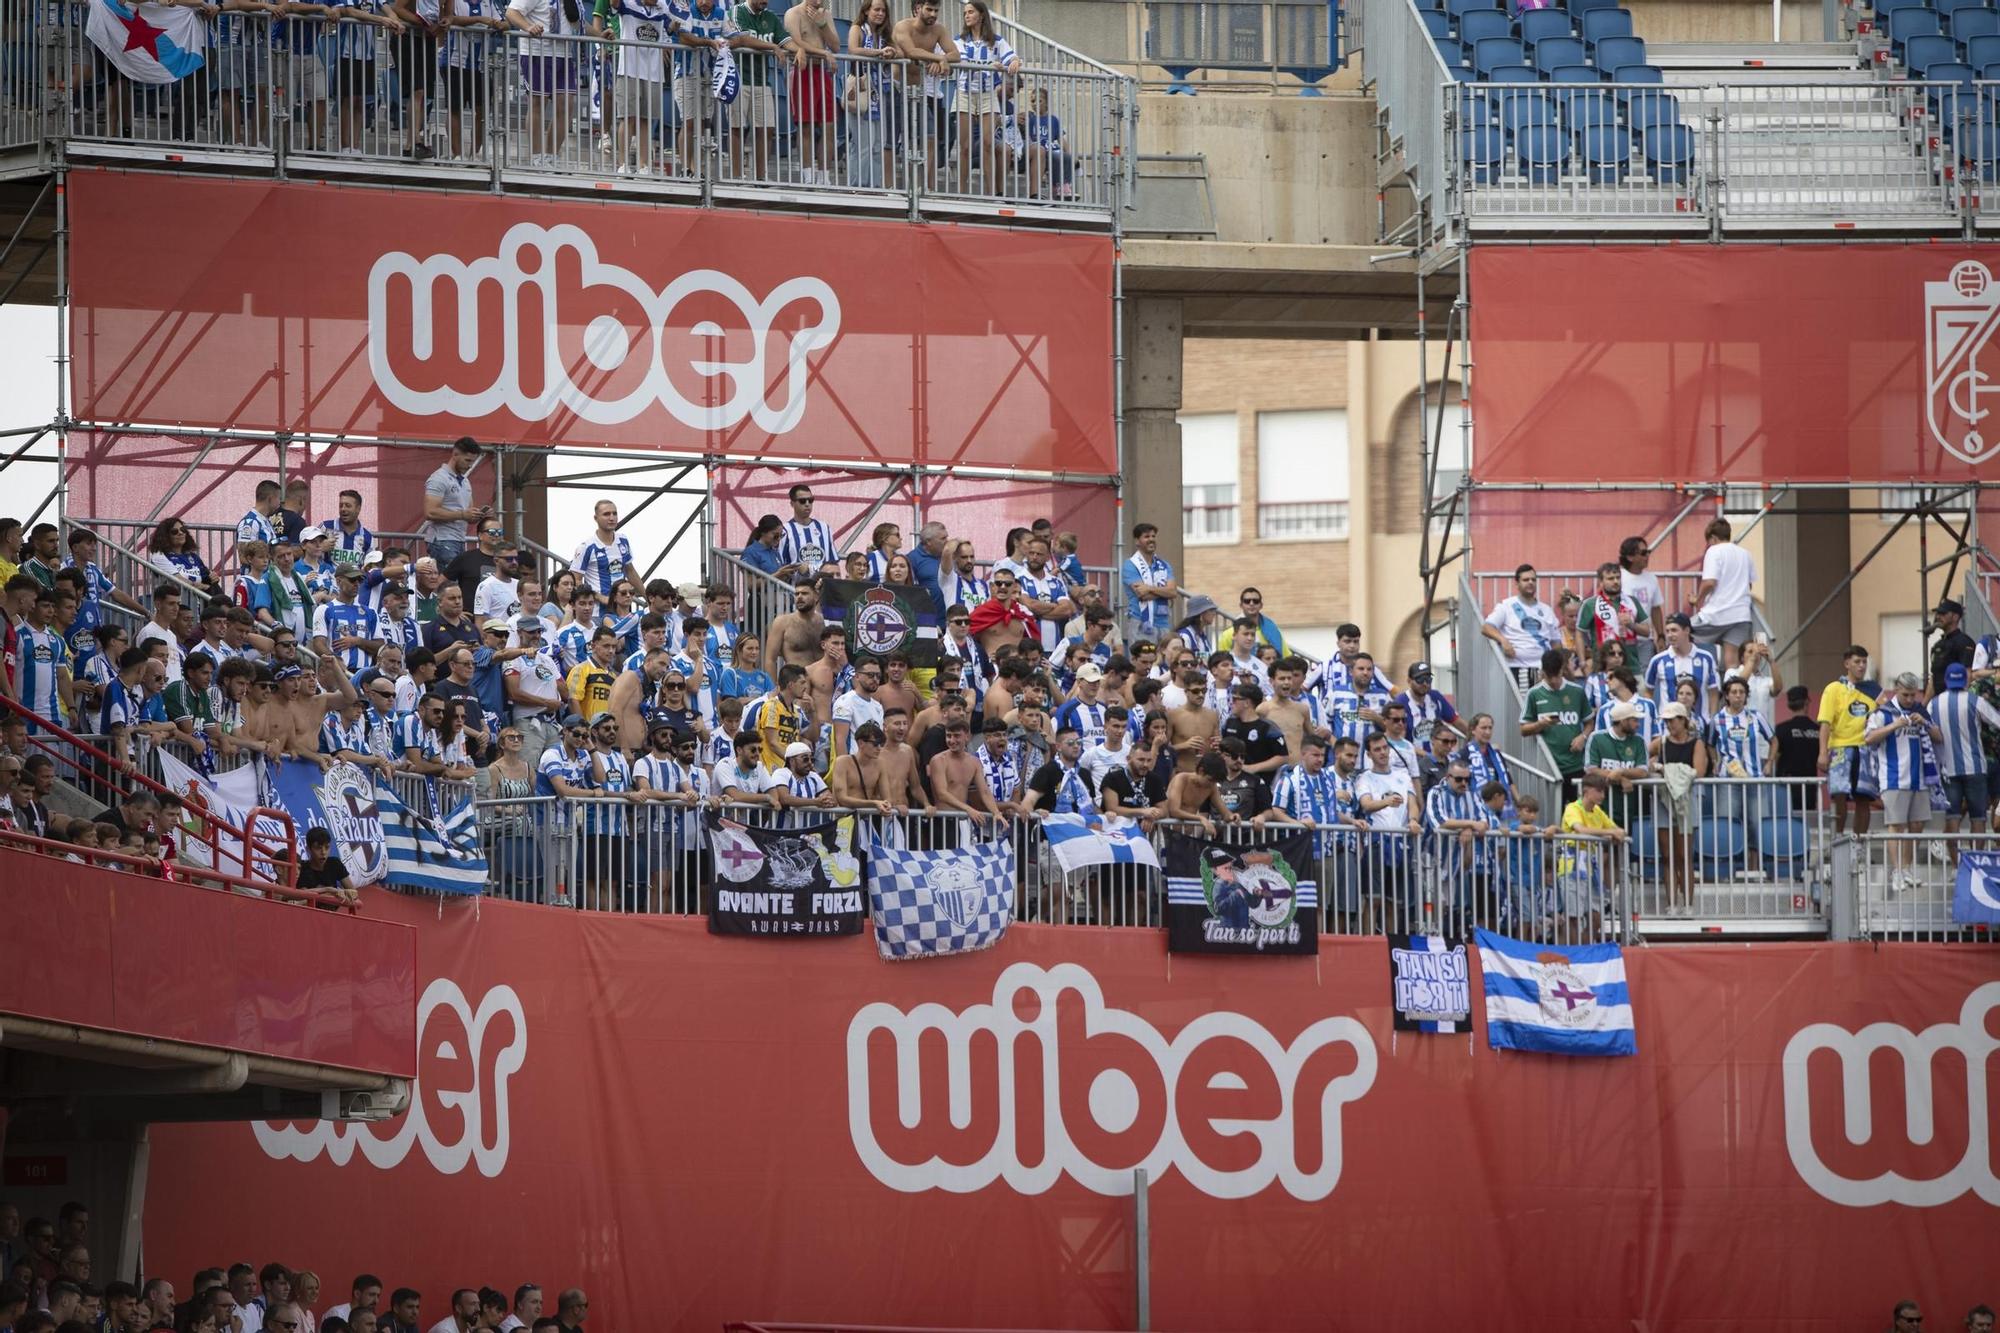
<point>1745,364</point>
<point>705,1129</point>
<point>274,306</point>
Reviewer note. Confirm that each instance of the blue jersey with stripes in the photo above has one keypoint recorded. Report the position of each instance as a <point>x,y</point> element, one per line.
<point>337,620</point>
<point>602,564</point>
<point>1960,714</point>
<point>1744,737</point>
<point>1665,672</point>
<point>350,548</point>
<point>1649,716</point>
<point>1899,756</point>
<point>1087,719</point>
<point>809,544</point>
<point>43,658</point>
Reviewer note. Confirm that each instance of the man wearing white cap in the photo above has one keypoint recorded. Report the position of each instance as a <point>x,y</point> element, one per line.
<point>799,785</point>
<point>534,688</point>
<point>1617,754</point>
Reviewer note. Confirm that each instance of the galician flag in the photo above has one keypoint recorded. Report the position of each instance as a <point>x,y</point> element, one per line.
<point>148,43</point>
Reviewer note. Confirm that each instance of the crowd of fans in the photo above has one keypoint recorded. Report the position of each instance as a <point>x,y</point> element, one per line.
<point>467,664</point>
<point>623,85</point>
<point>46,1287</point>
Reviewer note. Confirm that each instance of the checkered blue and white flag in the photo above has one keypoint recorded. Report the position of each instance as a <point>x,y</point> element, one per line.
<point>931,903</point>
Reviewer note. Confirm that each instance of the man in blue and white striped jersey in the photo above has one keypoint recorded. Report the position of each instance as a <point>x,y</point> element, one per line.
<point>1957,714</point>
<point>806,546</point>
<point>1900,733</point>
<point>606,557</point>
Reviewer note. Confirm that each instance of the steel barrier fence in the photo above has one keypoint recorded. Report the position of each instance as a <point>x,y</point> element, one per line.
<point>1407,71</point>
<point>1902,885</point>
<point>1743,854</point>
<point>478,105</point>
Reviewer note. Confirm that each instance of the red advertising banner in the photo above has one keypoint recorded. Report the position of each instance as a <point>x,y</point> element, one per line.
<point>179,963</point>
<point>412,315</point>
<point>1746,364</point>
<point>697,1129</point>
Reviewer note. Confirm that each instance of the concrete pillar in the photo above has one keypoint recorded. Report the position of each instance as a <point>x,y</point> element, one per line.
<point>1152,477</point>
<point>1805,556</point>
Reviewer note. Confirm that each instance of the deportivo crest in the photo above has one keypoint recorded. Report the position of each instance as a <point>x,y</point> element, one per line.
<point>880,627</point>
<point>347,796</point>
<point>1960,315</point>
<point>1564,998</point>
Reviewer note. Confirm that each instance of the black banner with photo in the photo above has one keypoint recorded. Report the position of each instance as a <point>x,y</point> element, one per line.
<point>882,619</point>
<point>1430,984</point>
<point>1224,898</point>
<point>785,881</point>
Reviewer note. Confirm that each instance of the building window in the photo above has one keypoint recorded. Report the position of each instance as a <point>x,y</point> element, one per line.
<point>1209,501</point>
<point>1454,461</point>
<point>1948,499</point>
<point>1302,481</point>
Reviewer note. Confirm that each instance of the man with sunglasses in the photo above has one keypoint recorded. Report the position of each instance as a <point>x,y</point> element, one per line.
<point>806,547</point>
<point>1250,606</point>
<point>534,689</point>
<point>468,568</point>
<point>1002,621</point>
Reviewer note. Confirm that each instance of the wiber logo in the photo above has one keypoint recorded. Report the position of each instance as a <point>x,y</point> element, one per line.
<point>546,280</point>
<point>1048,1081</point>
<point>458,1108</point>
<point>1973,1042</point>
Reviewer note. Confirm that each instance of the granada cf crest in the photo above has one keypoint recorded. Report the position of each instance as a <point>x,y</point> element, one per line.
<point>1962,374</point>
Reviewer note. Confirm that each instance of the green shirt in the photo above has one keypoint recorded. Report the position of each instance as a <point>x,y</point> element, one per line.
<point>1569,707</point>
<point>1609,752</point>
<point>753,66</point>
<point>182,700</point>
<point>606,13</point>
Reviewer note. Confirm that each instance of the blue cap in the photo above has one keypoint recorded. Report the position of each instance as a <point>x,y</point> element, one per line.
<point>1955,676</point>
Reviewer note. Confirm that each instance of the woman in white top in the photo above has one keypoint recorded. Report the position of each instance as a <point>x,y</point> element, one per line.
<point>548,63</point>
<point>979,94</point>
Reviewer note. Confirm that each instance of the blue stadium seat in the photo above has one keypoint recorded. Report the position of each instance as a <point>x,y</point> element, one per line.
<point>1523,110</point>
<point>1458,8</point>
<point>1670,153</point>
<point>1966,24</point>
<point>1954,94</point>
<point>1614,52</point>
<point>1883,8</point>
<point>1484,149</point>
<point>1483,23</point>
<point>1555,52</point>
<point>1491,53</point>
<point>1907,23</point>
<point>1540,24</point>
<point>1632,80</point>
<point>1649,108</point>
<point>1923,52</point>
<point>1944,7</point>
<point>1477,106</point>
<point>1599,24</point>
<point>1718,846</point>
<point>1578,8</point>
<point>1452,51</point>
<point>1576,74</point>
<point>1542,151</point>
<point>1982,51</point>
<point>1586,111</point>
<point>1512,74</point>
<point>1783,841</point>
<point>1606,152</point>
<point>1436,22</point>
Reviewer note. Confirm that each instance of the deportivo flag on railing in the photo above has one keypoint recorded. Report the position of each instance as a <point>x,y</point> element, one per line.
<point>1975,899</point>
<point>424,853</point>
<point>726,82</point>
<point>931,903</point>
<point>1566,1001</point>
<point>1225,898</point>
<point>883,618</point>
<point>1076,843</point>
<point>148,43</point>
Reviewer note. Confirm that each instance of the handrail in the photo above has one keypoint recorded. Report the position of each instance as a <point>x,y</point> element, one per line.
<point>172,872</point>
<point>158,576</point>
<point>114,764</point>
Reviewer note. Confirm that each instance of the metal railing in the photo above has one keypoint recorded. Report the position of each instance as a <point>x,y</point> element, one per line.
<point>760,598</point>
<point>1899,886</point>
<point>1303,521</point>
<point>1738,855</point>
<point>1409,76</point>
<point>1301,38</point>
<point>1483,673</point>
<point>505,108</point>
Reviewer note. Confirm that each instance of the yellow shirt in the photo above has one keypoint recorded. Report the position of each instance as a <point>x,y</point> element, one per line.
<point>1846,710</point>
<point>590,688</point>
<point>1579,817</point>
<point>8,569</point>
<point>788,722</point>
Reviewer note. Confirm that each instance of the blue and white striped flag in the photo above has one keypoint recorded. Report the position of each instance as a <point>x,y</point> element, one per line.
<point>437,857</point>
<point>931,903</point>
<point>1076,843</point>
<point>1563,1000</point>
<point>726,82</point>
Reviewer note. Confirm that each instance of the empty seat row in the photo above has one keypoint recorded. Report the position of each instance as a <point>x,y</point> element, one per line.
<point>1489,54</point>
<point>1545,154</point>
<point>1572,7</point>
<point>1581,110</point>
<point>1537,25</point>
<point>1930,49</point>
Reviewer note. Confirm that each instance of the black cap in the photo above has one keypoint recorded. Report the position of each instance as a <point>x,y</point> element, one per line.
<point>1946,606</point>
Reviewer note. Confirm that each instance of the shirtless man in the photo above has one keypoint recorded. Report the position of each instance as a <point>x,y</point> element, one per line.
<point>899,763</point>
<point>1192,728</point>
<point>922,39</point>
<point>266,726</point>
<point>825,678</point>
<point>857,778</point>
<point>1008,678</point>
<point>794,636</point>
<point>633,691</point>
<point>949,690</point>
<point>958,779</point>
<point>1286,710</point>
<point>1195,794</point>
<point>1001,621</point>
<point>896,691</point>
<point>814,40</point>
<point>306,708</point>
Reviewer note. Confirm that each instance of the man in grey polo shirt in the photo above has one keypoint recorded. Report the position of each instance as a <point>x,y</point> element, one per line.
<point>448,503</point>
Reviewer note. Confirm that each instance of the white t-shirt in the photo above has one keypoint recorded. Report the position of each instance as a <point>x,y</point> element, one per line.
<point>1530,629</point>
<point>1378,786</point>
<point>151,631</point>
<point>1733,571</point>
<point>854,708</point>
<point>497,599</point>
<point>537,676</point>
<point>1097,761</point>
<point>1643,592</point>
<point>754,783</point>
